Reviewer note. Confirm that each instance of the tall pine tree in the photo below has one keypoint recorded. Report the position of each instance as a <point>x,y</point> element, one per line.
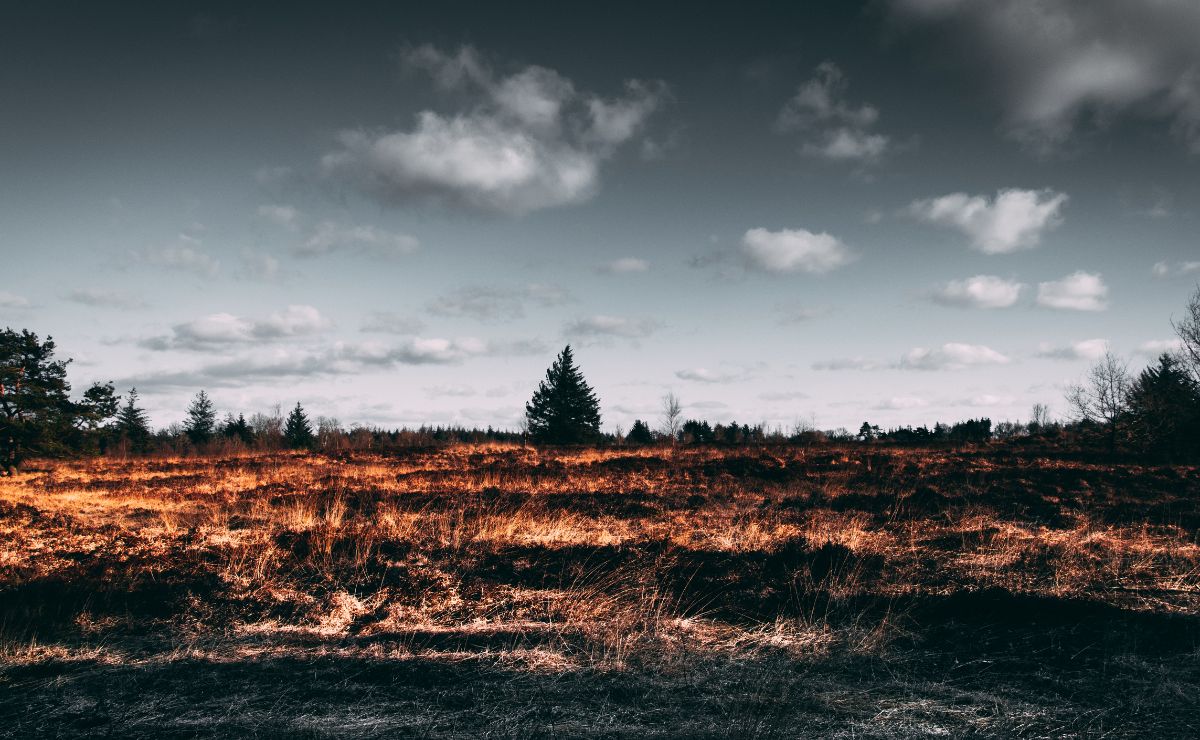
<point>201,419</point>
<point>297,432</point>
<point>132,423</point>
<point>564,409</point>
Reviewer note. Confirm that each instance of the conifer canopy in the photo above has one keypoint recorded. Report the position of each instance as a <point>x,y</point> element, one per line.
<point>564,409</point>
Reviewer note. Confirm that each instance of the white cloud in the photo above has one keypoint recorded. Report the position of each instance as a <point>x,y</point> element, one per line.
<point>1156,347</point>
<point>12,300</point>
<point>1079,291</point>
<point>185,254</point>
<point>832,128</point>
<point>980,291</point>
<point>901,403</point>
<point>611,326</point>
<point>1015,219</point>
<point>846,363</point>
<point>218,331</point>
<point>101,298</point>
<point>704,375</point>
<point>950,356</point>
<point>985,400</point>
<point>283,363</point>
<point>793,250</point>
<point>531,140</point>
<point>1058,64</point>
<point>624,265</point>
<point>280,215</point>
<point>329,237</point>
<point>1086,349</point>
<point>1173,269</point>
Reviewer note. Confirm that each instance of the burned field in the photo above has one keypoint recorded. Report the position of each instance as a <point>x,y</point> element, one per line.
<point>501,591</point>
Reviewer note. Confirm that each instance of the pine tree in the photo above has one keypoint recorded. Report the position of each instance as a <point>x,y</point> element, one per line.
<point>36,412</point>
<point>639,433</point>
<point>132,423</point>
<point>1164,403</point>
<point>201,419</point>
<point>564,409</point>
<point>238,428</point>
<point>297,432</point>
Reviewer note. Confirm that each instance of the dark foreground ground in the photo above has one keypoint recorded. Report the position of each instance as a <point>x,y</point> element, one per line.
<point>496,592</point>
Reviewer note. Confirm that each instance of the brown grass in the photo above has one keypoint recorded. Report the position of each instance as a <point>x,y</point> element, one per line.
<point>671,592</point>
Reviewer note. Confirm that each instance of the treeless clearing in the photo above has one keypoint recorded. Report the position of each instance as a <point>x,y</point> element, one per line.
<point>658,592</point>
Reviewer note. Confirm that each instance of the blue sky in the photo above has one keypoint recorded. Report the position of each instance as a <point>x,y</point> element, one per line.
<point>901,211</point>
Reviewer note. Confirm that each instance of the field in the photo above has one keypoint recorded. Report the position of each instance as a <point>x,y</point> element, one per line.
<point>496,591</point>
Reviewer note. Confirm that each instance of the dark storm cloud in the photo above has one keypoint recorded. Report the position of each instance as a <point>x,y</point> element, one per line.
<point>1060,65</point>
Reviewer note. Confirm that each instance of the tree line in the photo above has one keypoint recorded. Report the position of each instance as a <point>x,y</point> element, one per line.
<point>1154,413</point>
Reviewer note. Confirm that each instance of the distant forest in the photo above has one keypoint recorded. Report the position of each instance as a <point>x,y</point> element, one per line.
<point>1154,413</point>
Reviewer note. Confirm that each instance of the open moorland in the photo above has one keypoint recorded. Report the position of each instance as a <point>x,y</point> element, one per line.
<point>499,591</point>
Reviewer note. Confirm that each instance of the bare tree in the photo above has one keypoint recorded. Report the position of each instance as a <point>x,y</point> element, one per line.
<point>1103,397</point>
<point>672,416</point>
<point>1188,330</point>
<point>1040,416</point>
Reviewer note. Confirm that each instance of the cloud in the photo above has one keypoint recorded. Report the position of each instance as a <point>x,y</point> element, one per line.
<point>449,391</point>
<point>185,254</point>
<point>1057,65</point>
<point>530,140</point>
<point>101,298</point>
<point>846,363</point>
<point>830,127</point>
<point>624,265</point>
<point>1175,269</point>
<point>386,322</point>
<point>1079,291</point>
<point>280,215</point>
<point>281,364</point>
<point>787,315</point>
<point>494,302</point>
<point>1156,347</point>
<point>611,326</point>
<point>950,356</point>
<point>984,400</point>
<point>704,375</point>
<point>259,266</point>
<point>793,250</point>
<point>1086,349</point>
<point>218,331</point>
<point>980,291</point>
<point>329,237</point>
<point>900,403</point>
<point>12,300</point>
<point>783,396</point>
<point>1014,220</point>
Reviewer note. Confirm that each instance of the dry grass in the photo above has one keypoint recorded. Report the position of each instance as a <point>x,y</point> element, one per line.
<point>508,591</point>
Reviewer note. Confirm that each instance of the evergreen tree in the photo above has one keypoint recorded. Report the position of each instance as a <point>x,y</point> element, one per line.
<point>564,409</point>
<point>36,413</point>
<point>297,432</point>
<point>639,433</point>
<point>1164,403</point>
<point>132,424</point>
<point>201,419</point>
<point>238,428</point>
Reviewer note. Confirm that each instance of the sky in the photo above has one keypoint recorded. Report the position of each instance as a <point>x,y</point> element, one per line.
<point>900,211</point>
